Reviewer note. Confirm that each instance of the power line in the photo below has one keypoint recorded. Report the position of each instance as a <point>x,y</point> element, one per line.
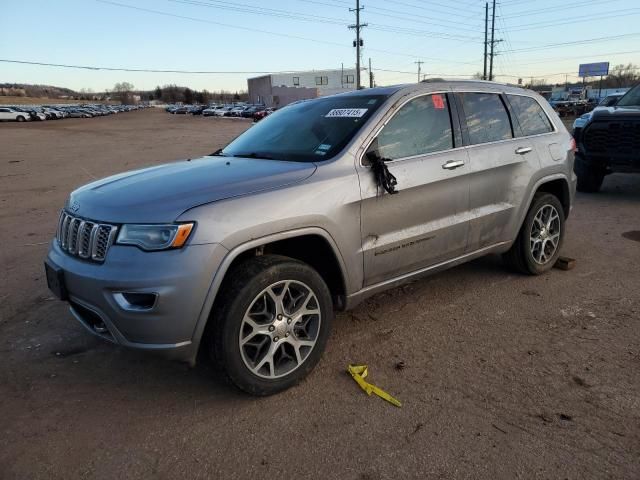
<point>578,19</point>
<point>244,8</point>
<point>242,72</point>
<point>142,70</point>
<point>267,32</point>
<point>558,59</point>
<point>271,12</point>
<point>456,9</point>
<point>577,42</point>
<point>566,6</point>
<point>389,13</point>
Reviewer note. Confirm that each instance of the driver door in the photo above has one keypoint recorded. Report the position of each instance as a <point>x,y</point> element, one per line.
<point>426,222</point>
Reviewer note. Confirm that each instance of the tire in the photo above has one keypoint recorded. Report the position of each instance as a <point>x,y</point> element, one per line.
<point>535,258</point>
<point>260,351</point>
<point>589,180</point>
<point>20,118</point>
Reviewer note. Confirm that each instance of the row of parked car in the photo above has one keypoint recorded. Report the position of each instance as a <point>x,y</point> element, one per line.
<point>256,112</point>
<point>24,113</point>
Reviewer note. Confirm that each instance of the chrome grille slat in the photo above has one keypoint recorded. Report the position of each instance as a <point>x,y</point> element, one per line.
<point>64,232</point>
<point>84,238</point>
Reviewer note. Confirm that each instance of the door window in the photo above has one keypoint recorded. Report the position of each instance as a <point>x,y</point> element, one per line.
<point>421,126</point>
<point>487,118</point>
<point>531,117</point>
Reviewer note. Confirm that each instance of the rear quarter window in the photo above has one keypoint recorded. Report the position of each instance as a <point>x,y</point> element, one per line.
<point>531,117</point>
<point>486,117</point>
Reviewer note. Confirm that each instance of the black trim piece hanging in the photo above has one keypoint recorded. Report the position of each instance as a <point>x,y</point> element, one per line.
<point>384,178</point>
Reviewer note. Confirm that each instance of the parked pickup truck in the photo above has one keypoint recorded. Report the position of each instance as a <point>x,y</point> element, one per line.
<point>246,253</point>
<point>609,142</point>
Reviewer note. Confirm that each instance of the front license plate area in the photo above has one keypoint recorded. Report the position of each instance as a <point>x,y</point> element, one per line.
<point>55,280</point>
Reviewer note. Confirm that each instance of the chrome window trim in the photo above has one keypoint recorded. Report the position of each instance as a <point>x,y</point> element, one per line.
<point>379,128</point>
<point>507,140</point>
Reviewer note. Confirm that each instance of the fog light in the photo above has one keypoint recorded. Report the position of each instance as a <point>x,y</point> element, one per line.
<point>135,300</point>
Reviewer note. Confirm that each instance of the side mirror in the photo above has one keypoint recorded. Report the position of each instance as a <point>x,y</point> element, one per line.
<point>372,153</point>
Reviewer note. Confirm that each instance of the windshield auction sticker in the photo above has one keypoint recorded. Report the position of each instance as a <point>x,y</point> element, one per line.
<point>346,112</point>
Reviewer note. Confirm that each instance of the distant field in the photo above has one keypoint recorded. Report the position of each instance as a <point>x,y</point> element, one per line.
<point>42,100</point>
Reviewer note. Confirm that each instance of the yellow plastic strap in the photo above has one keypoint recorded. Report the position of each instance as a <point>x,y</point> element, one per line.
<point>359,373</point>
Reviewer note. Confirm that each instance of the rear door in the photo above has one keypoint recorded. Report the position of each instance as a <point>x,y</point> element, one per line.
<point>425,222</point>
<point>501,163</point>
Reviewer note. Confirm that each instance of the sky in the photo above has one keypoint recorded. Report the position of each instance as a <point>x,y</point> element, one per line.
<point>545,39</point>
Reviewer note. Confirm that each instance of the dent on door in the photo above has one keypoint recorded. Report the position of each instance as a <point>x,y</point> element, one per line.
<point>424,224</point>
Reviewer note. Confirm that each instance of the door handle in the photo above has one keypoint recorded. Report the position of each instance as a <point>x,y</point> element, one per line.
<point>523,150</point>
<point>453,164</point>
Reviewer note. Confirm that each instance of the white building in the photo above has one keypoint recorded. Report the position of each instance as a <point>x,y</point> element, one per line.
<point>279,89</point>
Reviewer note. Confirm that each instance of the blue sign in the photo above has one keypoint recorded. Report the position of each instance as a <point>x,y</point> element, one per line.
<point>593,69</point>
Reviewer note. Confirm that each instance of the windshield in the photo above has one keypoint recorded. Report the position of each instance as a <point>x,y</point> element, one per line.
<point>307,131</point>
<point>631,98</point>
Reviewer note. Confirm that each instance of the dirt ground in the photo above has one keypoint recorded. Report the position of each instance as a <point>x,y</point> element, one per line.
<point>505,376</point>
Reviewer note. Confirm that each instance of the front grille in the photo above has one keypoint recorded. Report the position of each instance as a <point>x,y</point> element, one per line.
<point>84,238</point>
<point>613,137</point>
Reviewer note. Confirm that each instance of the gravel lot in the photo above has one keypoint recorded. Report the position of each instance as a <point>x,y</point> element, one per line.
<point>505,376</point>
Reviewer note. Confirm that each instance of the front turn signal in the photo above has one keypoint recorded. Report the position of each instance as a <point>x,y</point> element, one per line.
<point>182,234</point>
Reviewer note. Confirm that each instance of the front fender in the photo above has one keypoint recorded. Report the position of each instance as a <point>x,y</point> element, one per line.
<point>234,253</point>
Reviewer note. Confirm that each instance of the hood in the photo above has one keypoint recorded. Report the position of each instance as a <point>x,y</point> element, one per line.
<point>608,112</point>
<point>605,113</point>
<point>160,194</point>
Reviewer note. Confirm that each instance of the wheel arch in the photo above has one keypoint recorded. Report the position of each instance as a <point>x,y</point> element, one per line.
<point>312,245</point>
<point>560,188</point>
<point>557,185</point>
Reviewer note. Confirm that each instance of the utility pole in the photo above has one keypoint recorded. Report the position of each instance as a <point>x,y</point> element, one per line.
<point>486,33</point>
<point>358,43</point>
<point>419,63</point>
<point>370,74</point>
<point>493,24</point>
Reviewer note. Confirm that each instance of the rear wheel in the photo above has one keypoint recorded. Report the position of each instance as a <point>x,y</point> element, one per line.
<point>272,324</point>
<point>538,244</point>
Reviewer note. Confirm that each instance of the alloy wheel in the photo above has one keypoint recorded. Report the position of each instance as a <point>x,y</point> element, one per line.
<point>545,234</point>
<point>280,329</point>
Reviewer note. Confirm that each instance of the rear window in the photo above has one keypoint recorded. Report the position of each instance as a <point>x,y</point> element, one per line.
<point>307,131</point>
<point>487,118</point>
<point>530,115</point>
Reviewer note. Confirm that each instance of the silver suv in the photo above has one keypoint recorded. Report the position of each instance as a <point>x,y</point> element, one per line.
<point>246,253</point>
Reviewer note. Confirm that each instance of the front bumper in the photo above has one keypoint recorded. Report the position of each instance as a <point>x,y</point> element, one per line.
<point>180,278</point>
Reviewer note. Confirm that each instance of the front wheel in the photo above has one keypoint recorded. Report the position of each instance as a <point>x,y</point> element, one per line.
<point>20,118</point>
<point>271,326</point>
<point>538,244</point>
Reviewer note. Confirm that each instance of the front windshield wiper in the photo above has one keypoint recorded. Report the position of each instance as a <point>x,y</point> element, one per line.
<point>264,156</point>
<point>217,153</point>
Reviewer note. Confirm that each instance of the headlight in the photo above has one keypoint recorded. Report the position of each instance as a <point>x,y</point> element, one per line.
<point>155,237</point>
